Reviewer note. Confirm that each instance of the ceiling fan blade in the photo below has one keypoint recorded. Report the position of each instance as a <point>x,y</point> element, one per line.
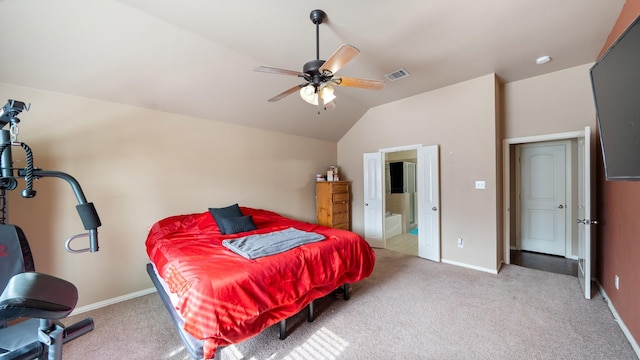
<point>359,83</point>
<point>270,70</point>
<point>287,93</point>
<point>340,58</point>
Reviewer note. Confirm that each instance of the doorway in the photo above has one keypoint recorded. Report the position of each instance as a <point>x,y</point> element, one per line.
<point>400,202</point>
<point>578,207</point>
<point>427,199</point>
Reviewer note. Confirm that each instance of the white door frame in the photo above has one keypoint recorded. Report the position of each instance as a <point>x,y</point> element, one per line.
<point>400,148</point>
<point>506,158</point>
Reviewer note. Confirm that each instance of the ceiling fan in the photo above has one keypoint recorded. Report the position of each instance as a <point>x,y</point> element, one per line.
<point>320,74</point>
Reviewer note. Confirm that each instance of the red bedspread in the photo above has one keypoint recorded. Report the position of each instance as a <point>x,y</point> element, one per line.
<point>225,298</point>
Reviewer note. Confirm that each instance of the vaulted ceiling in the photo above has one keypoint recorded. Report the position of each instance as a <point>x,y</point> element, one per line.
<point>196,57</point>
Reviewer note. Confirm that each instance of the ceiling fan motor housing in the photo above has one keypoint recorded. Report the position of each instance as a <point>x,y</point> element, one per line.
<point>312,73</point>
<point>311,67</point>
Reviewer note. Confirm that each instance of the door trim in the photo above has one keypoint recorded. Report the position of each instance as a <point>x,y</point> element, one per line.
<point>506,177</point>
<point>399,148</point>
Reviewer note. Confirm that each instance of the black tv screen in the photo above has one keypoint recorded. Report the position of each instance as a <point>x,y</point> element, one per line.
<point>615,81</point>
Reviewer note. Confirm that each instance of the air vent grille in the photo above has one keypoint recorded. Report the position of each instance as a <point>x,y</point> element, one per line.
<point>396,75</point>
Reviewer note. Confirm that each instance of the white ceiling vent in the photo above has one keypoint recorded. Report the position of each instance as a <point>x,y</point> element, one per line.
<point>396,75</point>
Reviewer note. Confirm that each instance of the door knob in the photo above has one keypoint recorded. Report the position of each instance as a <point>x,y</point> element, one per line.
<point>434,208</point>
<point>561,206</point>
<point>365,204</point>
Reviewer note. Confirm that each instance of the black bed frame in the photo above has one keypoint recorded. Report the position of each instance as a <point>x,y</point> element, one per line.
<point>195,346</point>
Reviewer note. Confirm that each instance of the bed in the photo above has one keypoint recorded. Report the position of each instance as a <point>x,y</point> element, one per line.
<point>217,296</point>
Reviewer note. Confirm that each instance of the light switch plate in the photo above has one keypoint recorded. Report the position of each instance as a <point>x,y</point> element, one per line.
<point>480,184</point>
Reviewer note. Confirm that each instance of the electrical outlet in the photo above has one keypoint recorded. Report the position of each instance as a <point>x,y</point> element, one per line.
<point>460,243</point>
<point>617,281</point>
<point>480,184</point>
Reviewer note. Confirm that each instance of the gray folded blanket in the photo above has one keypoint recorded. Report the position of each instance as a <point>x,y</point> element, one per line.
<point>259,245</point>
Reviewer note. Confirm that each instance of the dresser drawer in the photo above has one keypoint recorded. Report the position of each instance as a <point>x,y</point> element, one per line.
<point>340,208</point>
<point>340,188</point>
<point>340,218</point>
<point>340,198</point>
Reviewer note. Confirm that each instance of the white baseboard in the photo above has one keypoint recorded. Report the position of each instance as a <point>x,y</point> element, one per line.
<point>450,262</point>
<point>623,327</point>
<point>112,301</point>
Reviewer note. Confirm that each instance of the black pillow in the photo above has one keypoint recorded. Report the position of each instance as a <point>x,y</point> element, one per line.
<point>225,212</point>
<point>233,225</point>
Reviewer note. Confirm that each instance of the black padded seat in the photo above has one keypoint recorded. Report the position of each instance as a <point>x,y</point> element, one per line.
<point>36,295</point>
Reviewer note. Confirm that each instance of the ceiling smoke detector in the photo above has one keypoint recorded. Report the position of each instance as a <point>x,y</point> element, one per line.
<point>543,59</point>
<point>397,75</point>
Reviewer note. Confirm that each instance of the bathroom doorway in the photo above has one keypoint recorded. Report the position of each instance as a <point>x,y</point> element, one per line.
<point>401,220</point>
<point>427,199</point>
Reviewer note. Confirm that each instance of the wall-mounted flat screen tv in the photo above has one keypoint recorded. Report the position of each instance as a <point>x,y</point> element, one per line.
<point>615,81</point>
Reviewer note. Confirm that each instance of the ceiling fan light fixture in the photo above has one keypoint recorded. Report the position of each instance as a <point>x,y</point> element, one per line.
<point>326,92</point>
<point>308,94</point>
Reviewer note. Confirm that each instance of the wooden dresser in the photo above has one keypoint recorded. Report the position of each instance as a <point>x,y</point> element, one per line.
<point>333,199</point>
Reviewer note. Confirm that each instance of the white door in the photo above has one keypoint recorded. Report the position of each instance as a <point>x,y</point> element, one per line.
<point>584,213</point>
<point>543,198</point>
<point>428,189</point>
<point>373,192</point>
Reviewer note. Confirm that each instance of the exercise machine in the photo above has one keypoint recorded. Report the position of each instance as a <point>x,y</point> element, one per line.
<point>32,303</point>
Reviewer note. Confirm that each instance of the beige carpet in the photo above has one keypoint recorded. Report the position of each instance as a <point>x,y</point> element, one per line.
<point>409,308</point>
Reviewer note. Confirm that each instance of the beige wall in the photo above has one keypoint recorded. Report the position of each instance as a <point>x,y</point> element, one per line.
<point>461,119</point>
<point>138,166</point>
<point>557,102</point>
